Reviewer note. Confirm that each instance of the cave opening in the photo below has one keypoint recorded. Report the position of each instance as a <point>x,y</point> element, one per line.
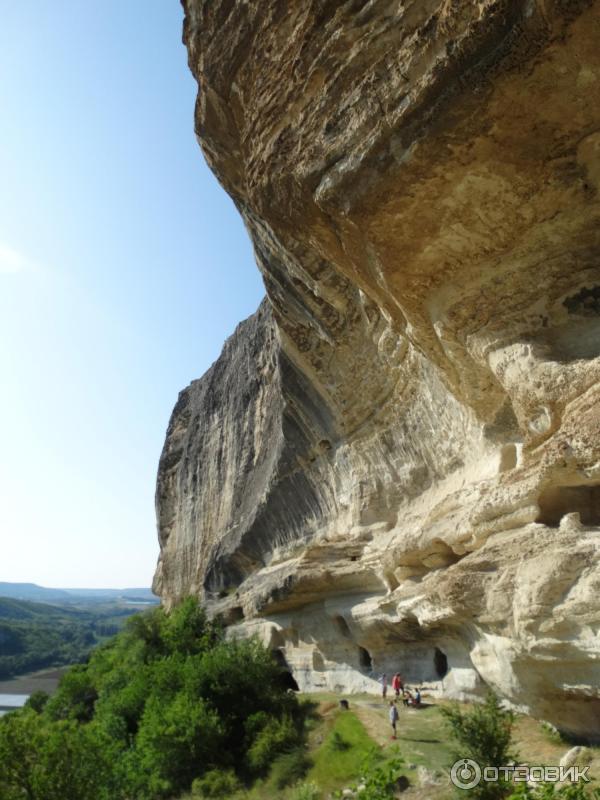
<point>586,302</point>
<point>287,679</point>
<point>233,615</point>
<point>440,662</point>
<point>556,501</point>
<point>364,658</point>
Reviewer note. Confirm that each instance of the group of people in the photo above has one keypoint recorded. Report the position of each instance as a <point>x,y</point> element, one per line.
<point>408,698</point>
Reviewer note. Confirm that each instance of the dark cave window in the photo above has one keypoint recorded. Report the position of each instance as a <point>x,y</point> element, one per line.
<point>287,679</point>
<point>585,303</point>
<point>556,501</point>
<point>440,662</point>
<point>234,615</point>
<point>364,658</point>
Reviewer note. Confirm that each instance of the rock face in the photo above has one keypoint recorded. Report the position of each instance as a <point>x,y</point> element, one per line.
<point>395,463</point>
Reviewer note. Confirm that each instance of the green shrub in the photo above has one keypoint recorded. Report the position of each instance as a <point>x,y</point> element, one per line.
<point>484,734</point>
<point>551,791</point>
<point>290,767</point>
<point>37,701</point>
<point>379,780</point>
<point>216,783</point>
<point>177,741</point>
<point>277,736</point>
<point>166,702</point>
<point>75,698</point>
<point>44,760</point>
<point>306,791</point>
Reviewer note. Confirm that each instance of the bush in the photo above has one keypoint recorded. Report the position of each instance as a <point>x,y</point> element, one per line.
<point>483,734</point>
<point>216,783</point>
<point>306,791</point>
<point>277,736</point>
<point>167,702</point>
<point>290,767</point>
<point>379,781</point>
<point>37,701</point>
<point>44,760</point>
<point>75,697</point>
<point>551,791</point>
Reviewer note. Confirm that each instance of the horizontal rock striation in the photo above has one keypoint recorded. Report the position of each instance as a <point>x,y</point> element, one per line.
<point>395,463</point>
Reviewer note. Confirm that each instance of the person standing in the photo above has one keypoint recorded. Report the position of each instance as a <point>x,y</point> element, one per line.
<point>397,684</point>
<point>384,685</point>
<point>393,713</point>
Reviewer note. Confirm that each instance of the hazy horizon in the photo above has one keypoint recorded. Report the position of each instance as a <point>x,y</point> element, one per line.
<point>123,268</point>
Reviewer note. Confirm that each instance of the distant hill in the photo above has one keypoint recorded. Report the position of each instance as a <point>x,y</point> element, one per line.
<point>64,629</point>
<point>28,610</point>
<point>31,591</point>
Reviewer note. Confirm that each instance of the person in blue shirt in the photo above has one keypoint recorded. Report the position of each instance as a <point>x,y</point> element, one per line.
<point>393,714</point>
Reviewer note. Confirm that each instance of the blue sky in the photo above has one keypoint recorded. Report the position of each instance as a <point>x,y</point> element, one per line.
<point>123,267</point>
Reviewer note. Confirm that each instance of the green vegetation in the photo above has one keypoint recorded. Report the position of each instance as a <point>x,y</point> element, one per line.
<point>38,635</point>
<point>483,734</point>
<point>345,748</point>
<point>378,778</point>
<point>170,710</point>
<point>550,791</point>
<point>166,705</point>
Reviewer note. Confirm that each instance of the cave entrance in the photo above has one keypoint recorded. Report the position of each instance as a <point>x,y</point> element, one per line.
<point>287,679</point>
<point>440,662</point>
<point>556,501</point>
<point>364,658</point>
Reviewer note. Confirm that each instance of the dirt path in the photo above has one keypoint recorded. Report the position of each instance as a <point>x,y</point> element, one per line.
<point>414,733</point>
<point>373,716</point>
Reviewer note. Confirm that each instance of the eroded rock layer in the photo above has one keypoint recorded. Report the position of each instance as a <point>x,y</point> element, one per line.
<point>395,464</point>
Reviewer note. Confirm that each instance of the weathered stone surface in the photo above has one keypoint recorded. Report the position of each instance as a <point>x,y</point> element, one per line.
<point>395,464</point>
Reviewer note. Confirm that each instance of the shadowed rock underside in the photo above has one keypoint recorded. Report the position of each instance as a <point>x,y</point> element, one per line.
<point>395,463</point>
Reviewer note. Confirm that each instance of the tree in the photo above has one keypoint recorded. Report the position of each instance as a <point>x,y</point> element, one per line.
<point>166,702</point>
<point>75,697</point>
<point>37,701</point>
<point>483,734</point>
<point>42,760</point>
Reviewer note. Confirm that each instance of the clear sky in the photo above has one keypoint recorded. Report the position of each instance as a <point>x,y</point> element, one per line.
<point>123,267</point>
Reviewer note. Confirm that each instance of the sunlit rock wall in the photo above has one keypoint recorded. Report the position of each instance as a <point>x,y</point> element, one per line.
<point>395,464</point>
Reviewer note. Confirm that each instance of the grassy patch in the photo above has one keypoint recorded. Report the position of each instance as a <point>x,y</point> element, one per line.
<point>338,742</point>
<point>338,759</point>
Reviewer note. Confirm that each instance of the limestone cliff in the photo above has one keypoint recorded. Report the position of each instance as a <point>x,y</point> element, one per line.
<point>395,463</point>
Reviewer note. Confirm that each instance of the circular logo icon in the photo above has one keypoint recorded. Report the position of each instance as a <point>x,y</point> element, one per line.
<point>465,773</point>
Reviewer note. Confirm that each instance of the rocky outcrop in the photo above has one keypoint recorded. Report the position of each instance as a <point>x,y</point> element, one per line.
<point>395,464</point>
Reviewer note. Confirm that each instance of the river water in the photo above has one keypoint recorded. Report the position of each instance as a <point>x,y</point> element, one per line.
<point>8,702</point>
